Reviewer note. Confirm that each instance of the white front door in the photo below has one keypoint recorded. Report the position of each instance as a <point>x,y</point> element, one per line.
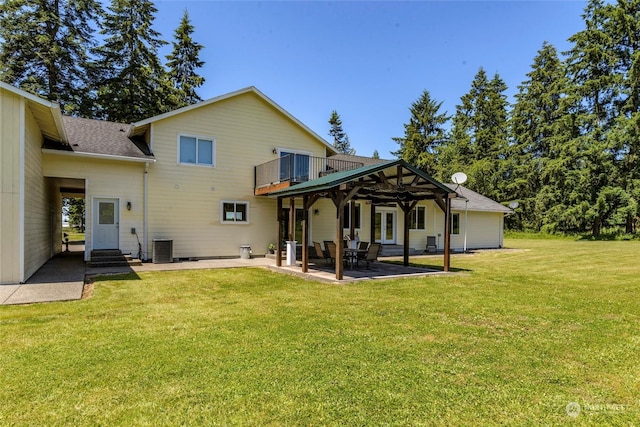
<point>385,231</point>
<point>106,223</point>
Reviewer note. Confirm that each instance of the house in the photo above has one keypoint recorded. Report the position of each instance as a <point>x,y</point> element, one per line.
<point>204,177</point>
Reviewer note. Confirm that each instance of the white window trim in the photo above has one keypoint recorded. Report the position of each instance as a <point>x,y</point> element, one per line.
<point>235,202</point>
<point>425,218</point>
<point>197,137</point>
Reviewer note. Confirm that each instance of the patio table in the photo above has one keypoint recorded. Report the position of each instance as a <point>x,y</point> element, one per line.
<point>352,255</point>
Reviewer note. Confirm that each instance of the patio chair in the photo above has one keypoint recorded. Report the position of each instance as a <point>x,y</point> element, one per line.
<point>322,253</point>
<point>372,253</point>
<point>362,246</point>
<point>331,249</point>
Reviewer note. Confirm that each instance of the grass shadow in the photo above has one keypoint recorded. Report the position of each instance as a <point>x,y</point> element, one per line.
<point>105,277</point>
<point>429,266</point>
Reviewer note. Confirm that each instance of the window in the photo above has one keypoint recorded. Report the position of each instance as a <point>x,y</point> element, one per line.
<point>106,213</point>
<point>294,166</point>
<point>417,218</point>
<point>347,216</point>
<point>234,212</point>
<point>196,150</point>
<point>455,223</point>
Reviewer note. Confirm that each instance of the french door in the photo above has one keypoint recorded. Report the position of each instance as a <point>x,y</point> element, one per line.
<point>385,229</point>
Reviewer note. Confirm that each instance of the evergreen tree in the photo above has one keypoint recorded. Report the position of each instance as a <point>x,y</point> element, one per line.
<point>132,83</point>
<point>479,138</point>
<point>539,131</point>
<point>424,134</point>
<point>183,63</point>
<point>340,139</point>
<point>45,46</point>
<point>594,66</point>
<point>375,154</point>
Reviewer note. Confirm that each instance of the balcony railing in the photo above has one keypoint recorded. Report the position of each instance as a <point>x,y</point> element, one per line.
<point>297,168</point>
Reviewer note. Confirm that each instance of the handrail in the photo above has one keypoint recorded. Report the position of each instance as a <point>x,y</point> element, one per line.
<point>297,168</point>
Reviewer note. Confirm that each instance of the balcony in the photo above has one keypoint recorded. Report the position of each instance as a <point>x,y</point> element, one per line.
<point>293,169</point>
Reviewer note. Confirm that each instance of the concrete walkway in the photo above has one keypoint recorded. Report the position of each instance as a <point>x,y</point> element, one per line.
<point>59,279</point>
<point>62,277</point>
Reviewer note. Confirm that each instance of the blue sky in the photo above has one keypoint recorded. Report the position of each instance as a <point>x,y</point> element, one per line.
<point>367,60</point>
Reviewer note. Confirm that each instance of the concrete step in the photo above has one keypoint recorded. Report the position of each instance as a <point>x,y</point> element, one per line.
<point>398,250</point>
<point>111,258</point>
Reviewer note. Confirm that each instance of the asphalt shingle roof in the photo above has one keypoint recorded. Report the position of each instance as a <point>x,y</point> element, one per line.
<point>101,137</point>
<point>477,202</point>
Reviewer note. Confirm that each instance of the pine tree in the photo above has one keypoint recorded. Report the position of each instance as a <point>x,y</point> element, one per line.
<point>340,138</point>
<point>424,134</point>
<point>183,62</point>
<point>44,48</point>
<point>132,83</point>
<point>375,154</point>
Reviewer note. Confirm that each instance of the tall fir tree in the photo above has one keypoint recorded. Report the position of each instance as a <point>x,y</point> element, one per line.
<point>424,134</point>
<point>132,83</point>
<point>479,138</point>
<point>183,63</point>
<point>45,45</point>
<point>340,139</point>
<point>593,66</point>
<point>625,136</point>
<point>540,129</point>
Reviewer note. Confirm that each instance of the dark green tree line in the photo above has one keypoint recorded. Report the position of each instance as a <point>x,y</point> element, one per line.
<point>567,149</point>
<point>49,48</point>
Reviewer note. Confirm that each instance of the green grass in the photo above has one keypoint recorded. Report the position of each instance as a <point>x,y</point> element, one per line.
<point>74,235</point>
<point>511,341</point>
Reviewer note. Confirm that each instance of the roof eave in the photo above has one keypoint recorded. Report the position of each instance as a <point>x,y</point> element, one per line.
<point>99,156</point>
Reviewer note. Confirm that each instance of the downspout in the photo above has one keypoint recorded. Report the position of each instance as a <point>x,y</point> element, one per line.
<point>145,227</point>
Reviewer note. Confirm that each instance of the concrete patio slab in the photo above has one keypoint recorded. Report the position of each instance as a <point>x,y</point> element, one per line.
<point>59,279</point>
<point>46,292</point>
<point>6,291</point>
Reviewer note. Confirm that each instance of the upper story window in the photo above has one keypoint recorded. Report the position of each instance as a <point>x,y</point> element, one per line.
<point>196,150</point>
<point>417,218</point>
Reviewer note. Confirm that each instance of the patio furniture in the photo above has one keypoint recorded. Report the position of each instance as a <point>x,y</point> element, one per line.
<point>322,253</point>
<point>362,254</point>
<point>431,243</point>
<point>372,253</point>
<point>352,255</point>
<point>331,249</point>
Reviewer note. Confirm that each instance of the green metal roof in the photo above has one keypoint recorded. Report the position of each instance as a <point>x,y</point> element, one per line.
<point>336,179</point>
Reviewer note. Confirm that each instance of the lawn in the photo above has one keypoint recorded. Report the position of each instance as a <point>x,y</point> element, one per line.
<point>513,340</point>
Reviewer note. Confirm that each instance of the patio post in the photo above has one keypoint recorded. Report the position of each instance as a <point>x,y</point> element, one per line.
<point>407,207</point>
<point>305,234</point>
<point>372,224</point>
<point>447,233</point>
<point>339,202</point>
<point>279,242</point>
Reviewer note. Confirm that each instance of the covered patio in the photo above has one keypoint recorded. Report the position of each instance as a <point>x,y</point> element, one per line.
<point>394,182</point>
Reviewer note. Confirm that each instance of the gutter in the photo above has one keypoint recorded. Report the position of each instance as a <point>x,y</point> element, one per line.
<point>99,156</point>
